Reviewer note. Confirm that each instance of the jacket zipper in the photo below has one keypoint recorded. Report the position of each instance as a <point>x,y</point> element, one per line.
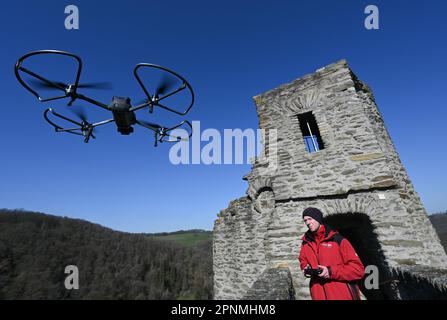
<point>318,261</point>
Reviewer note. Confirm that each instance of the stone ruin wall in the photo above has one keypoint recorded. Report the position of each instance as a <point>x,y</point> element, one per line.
<point>358,171</point>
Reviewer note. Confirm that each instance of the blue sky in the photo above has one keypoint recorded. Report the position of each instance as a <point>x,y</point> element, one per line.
<point>229,51</point>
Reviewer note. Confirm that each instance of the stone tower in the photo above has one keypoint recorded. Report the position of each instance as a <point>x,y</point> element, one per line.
<point>332,152</point>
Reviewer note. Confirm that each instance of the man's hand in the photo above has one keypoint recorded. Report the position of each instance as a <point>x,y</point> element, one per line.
<point>307,275</point>
<point>324,273</point>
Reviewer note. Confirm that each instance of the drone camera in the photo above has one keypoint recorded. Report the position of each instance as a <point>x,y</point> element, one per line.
<point>125,130</point>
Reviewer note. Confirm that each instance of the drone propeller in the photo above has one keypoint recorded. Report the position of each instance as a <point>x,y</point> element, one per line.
<point>166,83</point>
<point>87,129</point>
<point>79,112</point>
<point>58,84</point>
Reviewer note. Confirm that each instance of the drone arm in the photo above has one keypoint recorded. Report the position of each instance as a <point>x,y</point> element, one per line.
<point>92,101</point>
<point>102,122</point>
<point>141,106</point>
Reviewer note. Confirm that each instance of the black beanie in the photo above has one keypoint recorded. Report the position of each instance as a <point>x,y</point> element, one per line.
<point>314,213</point>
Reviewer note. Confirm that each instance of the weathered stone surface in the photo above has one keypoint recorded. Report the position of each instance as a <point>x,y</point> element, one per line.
<point>273,284</point>
<point>364,157</point>
<point>357,178</point>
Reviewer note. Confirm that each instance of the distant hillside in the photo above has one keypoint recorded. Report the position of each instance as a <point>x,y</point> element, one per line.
<point>439,221</point>
<point>35,248</point>
<point>190,238</point>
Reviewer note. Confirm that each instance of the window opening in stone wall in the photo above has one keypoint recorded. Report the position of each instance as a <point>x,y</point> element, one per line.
<point>310,131</point>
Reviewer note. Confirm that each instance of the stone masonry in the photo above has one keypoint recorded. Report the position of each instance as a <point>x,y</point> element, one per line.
<point>357,174</point>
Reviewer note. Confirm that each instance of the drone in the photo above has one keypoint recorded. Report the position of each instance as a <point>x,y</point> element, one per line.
<point>123,112</point>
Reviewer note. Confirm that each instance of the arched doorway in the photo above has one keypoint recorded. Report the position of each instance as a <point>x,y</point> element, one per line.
<point>359,230</point>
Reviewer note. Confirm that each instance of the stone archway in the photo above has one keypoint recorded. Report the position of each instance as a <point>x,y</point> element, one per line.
<point>360,231</point>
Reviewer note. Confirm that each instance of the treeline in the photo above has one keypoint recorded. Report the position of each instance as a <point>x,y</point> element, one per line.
<point>179,232</point>
<point>35,249</point>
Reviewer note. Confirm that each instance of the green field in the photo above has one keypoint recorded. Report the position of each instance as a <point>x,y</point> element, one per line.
<point>189,239</point>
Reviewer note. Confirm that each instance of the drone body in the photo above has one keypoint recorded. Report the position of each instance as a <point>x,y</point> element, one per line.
<point>124,114</point>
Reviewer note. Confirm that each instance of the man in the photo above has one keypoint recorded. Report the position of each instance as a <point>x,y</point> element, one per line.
<point>329,260</point>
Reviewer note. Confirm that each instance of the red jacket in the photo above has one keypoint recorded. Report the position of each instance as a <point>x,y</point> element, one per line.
<point>330,249</point>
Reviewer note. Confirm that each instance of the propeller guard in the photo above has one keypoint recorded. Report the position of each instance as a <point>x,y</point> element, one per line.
<point>68,92</point>
<point>176,138</point>
<point>155,101</point>
<point>83,128</point>
<point>162,133</point>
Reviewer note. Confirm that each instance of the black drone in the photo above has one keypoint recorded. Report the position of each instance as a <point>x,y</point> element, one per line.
<point>122,110</point>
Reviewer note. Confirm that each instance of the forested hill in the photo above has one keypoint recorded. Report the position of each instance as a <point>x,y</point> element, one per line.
<point>439,221</point>
<point>35,249</point>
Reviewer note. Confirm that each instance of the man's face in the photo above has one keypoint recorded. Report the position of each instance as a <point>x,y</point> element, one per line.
<point>311,223</point>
